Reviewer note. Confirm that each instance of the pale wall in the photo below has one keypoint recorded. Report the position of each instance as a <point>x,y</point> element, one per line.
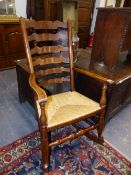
<point>20,8</point>
<point>97,4</point>
<point>111,3</point>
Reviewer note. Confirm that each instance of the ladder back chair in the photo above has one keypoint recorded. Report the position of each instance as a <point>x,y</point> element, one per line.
<point>48,47</point>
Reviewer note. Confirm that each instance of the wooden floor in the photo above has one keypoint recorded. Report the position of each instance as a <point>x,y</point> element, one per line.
<point>17,120</point>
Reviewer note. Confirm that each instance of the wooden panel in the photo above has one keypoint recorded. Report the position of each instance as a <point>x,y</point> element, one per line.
<point>127,3</point>
<point>35,9</point>
<point>85,3</point>
<point>84,12</point>
<point>13,57</point>
<point>2,41</point>
<point>109,36</point>
<point>3,63</point>
<point>83,35</point>
<point>14,38</point>
<point>11,44</point>
<point>127,40</point>
<point>84,20</point>
<point>60,10</point>
<point>84,16</point>
<point>53,10</point>
<point>3,59</point>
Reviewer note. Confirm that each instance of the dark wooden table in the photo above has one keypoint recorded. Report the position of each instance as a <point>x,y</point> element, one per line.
<point>119,83</point>
<point>24,90</point>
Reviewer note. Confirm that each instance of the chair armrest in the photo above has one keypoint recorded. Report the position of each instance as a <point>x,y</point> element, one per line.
<point>94,75</point>
<point>41,94</point>
<point>103,80</point>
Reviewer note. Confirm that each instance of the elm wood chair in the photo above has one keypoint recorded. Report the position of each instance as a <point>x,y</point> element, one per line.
<point>49,52</point>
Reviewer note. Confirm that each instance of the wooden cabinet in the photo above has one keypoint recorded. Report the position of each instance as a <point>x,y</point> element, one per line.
<point>118,83</point>
<point>11,44</point>
<point>112,37</point>
<point>110,59</point>
<point>84,20</point>
<point>127,3</point>
<point>3,60</point>
<point>53,10</point>
<point>42,9</point>
<point>24,90</point>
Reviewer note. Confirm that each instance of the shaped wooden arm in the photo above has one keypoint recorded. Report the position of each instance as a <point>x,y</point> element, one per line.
<point>41,94</point>
<point>103,80</point>
<point>94,75</point>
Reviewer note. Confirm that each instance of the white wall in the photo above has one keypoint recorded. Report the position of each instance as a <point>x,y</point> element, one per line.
<point>111,3</point>
<point>97,4</point>
<point>20,7</point>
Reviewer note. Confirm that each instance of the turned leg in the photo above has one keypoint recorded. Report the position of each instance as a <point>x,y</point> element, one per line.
<point>45,149</point>
<point>101,126</point>
<point>44,139</point>
<point>101,122</point>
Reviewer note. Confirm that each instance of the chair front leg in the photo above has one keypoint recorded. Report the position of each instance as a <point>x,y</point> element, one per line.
<point>44,138</point>
<point>45,148</point>
<point>101,121</point>
<point>101,125</point>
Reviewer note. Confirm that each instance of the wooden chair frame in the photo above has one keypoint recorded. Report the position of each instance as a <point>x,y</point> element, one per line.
<point>41,98</point>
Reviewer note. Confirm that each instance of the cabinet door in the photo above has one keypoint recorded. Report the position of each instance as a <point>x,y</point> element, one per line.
<point>15,46</point>
<point>53,10</point>
<point>127,3</point>
<point>84,20</point>
<point>3,60</point>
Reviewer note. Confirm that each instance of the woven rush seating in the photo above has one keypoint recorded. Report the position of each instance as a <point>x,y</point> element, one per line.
<point>66,107</point>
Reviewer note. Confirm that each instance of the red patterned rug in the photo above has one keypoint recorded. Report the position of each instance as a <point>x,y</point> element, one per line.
<point>79,157</point>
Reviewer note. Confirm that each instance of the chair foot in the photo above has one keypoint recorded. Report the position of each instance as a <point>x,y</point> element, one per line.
<point>21,99</point>
<point>101,140</point>
<point>45,149</point>
<point>45,169</point>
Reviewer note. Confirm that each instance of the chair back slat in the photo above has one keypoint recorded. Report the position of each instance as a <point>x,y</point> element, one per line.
<point>45,24</point>
<point>54,81</point>
<point>46,37</point>
<point>50,60</point>
<point>46,72</point>
<point>47,48</point>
